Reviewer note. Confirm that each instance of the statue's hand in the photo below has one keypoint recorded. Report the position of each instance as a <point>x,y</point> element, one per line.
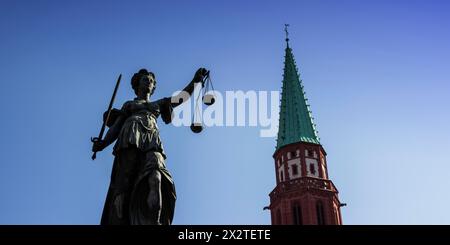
<point>200,75</point>
<point>98,145</point>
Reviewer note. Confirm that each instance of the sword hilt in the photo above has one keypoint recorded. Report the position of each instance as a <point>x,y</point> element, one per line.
<point>94,140</point>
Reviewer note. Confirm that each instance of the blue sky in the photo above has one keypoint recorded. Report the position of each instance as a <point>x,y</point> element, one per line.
<point>376,74</point>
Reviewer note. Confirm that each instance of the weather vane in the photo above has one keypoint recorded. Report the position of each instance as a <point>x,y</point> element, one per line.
<point>286,31</point>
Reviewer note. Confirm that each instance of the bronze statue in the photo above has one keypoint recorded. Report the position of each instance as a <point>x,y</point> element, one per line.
<point>141,190</point>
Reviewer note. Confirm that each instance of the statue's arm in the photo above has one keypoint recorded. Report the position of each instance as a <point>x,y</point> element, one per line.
<point>114,131</point>
<point>184,95</point>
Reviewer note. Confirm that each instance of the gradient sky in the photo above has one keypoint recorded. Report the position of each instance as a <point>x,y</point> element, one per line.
<point>376,74</point>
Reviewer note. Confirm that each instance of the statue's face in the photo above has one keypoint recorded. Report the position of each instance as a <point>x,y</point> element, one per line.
<point>147,84</point>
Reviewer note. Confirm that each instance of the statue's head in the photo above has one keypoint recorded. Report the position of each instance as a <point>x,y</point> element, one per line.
<point>143,80</point>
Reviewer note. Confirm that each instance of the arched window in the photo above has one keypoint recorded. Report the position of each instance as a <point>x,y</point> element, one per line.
<point>278,217</point>
<point>297,214</point>
<point>319,213</point>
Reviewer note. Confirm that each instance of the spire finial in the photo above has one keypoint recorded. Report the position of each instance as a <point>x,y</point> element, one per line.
<point>287,33</point>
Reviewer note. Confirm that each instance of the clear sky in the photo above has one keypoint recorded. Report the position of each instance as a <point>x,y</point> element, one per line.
<point>376,74</point>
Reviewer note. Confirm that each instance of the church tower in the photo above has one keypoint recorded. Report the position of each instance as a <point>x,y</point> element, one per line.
<point>304,195</point>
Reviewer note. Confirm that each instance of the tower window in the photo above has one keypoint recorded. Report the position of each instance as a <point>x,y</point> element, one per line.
<point>294,169</point>
<point>312,169</point>
<point>307,153</point>
<point>281,172</point>
<point>297,214</point>
<point>320,213</point>
<point>293,154</point>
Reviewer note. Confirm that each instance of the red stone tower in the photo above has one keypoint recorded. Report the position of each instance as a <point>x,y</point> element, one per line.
<point>304,194</point>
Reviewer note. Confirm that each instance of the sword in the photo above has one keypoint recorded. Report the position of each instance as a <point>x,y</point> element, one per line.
<point>102,130</point>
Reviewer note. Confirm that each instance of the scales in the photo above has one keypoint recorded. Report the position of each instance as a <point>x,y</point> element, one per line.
<point>208,98</point>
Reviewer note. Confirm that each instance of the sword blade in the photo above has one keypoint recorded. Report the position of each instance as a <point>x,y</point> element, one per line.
<point>111,102</point>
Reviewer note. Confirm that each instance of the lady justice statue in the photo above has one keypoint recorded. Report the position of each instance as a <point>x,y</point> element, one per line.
<point>141,189</point>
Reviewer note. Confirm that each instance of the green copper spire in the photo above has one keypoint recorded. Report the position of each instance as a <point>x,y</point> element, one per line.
<point>296,122</point>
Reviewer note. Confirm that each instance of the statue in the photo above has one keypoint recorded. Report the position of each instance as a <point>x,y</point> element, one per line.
<point>142,190</point>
